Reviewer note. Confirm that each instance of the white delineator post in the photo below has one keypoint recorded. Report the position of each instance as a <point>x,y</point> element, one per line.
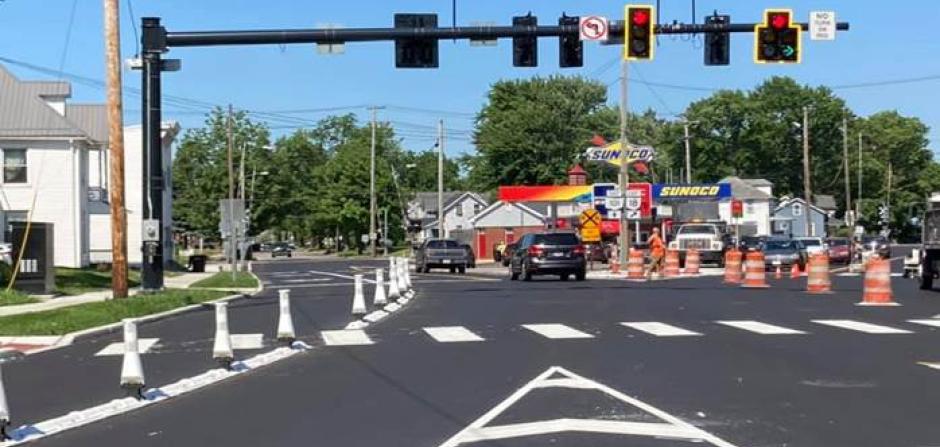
<point>359,300</point>
<point>393,292</point>
<point>132,370</point>
<point>4,409</point>
<point>285,323</point>
<point>379,299</point>
<point>222,348</point>
<point>402,285</point>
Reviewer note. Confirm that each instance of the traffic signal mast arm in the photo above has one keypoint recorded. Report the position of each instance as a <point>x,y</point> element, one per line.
<point>163,40</point>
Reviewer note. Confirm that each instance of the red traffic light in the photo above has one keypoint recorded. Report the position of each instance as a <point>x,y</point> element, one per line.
<point>641,17</point>
<point>779,21</point>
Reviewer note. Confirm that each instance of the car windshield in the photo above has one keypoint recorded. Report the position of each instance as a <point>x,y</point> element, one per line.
<point>810,242</point>
<point>870,239</point>
<point>443,244</point>
<point>697,229</point>
<point>781,245</point>
<point>556,239</point>
<point>838,243</point>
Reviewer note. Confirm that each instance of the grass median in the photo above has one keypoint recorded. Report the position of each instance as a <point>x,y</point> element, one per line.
<point>83,316</point>
<point>12,297</point>
<point>79,281</point>
<point>223,280</point>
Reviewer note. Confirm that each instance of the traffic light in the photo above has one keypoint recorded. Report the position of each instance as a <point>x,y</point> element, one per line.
<point>570,47</point>
<point>778,39</point>
<point>718,44</point>
<point>639,28</point>
<point>525,50</point>
<point>416,52</point>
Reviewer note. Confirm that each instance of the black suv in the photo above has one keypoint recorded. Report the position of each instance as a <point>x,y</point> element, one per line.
<point>548,254</point>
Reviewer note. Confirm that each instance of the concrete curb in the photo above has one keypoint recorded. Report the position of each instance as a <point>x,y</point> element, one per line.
<point>70,338</point>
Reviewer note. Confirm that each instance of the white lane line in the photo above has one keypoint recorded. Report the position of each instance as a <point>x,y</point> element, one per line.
<point>860,326</point>
<point>247,341</point>
<point>452,334</point>
<point>556,331</point>
<point>934,322</point>
<point>760,328</point>
<point>346,337</point>
<point>660,329</point>
<point>304,280</point>
<point>144,345</point>
<point>338,275</point>
<point>930,364</point>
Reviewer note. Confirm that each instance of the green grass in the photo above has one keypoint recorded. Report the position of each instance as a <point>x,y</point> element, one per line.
<point>79,281</point>
<point>84,316</point>
<point>223,280</point>
<point>12,297</point>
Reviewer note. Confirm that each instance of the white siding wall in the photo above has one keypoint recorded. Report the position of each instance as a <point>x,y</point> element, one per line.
<point>756,212</point>
<point>506,215</point>
<point>54,169</point>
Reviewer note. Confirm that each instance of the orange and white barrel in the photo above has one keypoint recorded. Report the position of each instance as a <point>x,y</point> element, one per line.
<point>877,290</point>
<point>635,265</point>
<point>672,264</point>
<point>754,271</point>
<point>692,262</point>
<point>733,266</point>
<point>818,270</point>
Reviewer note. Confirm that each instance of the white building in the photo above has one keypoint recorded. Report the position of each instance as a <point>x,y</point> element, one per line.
<point>55,162</point>
<point>758,205</point>
<point>459,208</point>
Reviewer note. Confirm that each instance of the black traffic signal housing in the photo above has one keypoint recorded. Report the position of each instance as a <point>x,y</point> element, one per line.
<point>778,39</point>
<point>416,52</point>
<point>718,44</point>
<point>638,33</point>
<point>525,50</point>
<point>570,47</point>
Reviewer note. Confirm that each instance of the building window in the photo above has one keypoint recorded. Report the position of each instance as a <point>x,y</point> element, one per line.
<point>14,166</point>
<point>460,210</point>
<point>477,208</point>
<point>797,209</point>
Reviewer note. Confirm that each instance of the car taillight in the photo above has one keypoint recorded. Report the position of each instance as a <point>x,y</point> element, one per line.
<point>535,250</point>
<point>578,250</point>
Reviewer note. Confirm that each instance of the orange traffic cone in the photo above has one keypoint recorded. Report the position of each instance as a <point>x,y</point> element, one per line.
<point>778,273</point>
<point>877,291</point>
<point>755,271</point>
<point>733,267</point>
<point>795,271</point>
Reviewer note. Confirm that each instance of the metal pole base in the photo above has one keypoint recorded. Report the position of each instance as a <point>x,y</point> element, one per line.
<point>225,362</point>
<point>4,436</point>
<point>134,390</point>
<point>287,340</point>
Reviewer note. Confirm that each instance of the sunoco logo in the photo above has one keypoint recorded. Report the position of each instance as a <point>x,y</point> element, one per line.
<point>613,155</point>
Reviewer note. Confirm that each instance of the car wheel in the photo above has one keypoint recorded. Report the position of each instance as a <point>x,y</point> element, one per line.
<point>453,269</point>
<point>925,280</point>
<point>513,275</point>
<point>526,274</point>
<point>462,270</point>
<point>290,255</point>
<point>580,275</point>
<point>563,276</point>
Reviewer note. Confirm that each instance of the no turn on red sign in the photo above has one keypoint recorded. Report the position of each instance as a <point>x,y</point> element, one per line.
<point>594,28</point>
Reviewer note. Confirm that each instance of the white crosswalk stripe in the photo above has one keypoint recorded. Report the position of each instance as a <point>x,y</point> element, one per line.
<point>346,337</point>
<point>932,322</point>
<point>860,326</point>
<point>247,341</point>
<point>760,328</point>
<point>660,329</point>
<point>144,345</point>
<point>452,334</point>
<point>556,331</point>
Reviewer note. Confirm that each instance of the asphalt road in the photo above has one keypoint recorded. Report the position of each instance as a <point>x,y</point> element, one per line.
<point>552,363</point>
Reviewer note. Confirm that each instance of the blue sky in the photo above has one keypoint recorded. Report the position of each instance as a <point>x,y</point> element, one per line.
<point>272,78</point>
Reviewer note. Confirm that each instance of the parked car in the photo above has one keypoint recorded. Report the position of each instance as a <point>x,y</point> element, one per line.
<point>751,243</point>
<point>548,254</point>
<point>783,253</point>
<point>441,253</point>
<point>840,250</point>
<point>265,246</point>
<point>597,253</point>
<point>281,249</point>
<point>878,244</point>
<point>507,253</point>
<point>471,256</point>
<point>6,253</point>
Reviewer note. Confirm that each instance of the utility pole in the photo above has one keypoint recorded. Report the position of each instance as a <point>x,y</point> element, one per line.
<point>688,154</point>
<point>858,200</point>
<point>845,165</point>
<point>385,231</point>
<point>372,189</point>
<point>624,171</point>
<point>231,191</point>
<point>807,190</point>
<point>116,149</point>
<point>243,237</point>
<point>440,179</point>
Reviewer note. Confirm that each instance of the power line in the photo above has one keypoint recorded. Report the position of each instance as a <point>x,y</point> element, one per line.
<point>130,12</point>
<point>68,36</point>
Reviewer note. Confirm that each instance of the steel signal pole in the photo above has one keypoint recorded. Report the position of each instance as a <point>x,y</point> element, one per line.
<point>372,189</point>
<point>116,149</point>
<point>807,191</point>
<point>440,180</point>
<point>624,171</point>
<point>845,165</point>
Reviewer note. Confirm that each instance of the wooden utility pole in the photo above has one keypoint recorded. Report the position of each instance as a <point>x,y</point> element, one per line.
<point>624,249</point>
<point>807,190</point>
<point>116,148</point>
<point>688,153</point>
<point>858,198</point>
<point>845,165</point>
<point>372,238</point>
<point>231,191</point>
<point>440,179</point>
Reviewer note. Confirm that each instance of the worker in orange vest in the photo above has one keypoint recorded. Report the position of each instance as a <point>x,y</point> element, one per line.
<point>657,254</point>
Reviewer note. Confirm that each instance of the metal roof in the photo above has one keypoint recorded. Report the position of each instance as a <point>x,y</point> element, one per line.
<point>825,201</point>
<point>24,114</point>
<point>90,118</point>
<point>744,189</point>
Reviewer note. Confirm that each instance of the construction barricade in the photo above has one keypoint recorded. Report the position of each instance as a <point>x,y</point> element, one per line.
<point>877,290</point>
<point>755,271</point>
<point>672,264</point>
<point>692,262</point>
<point>733,266</point>
<point>635,265</point>
<point>818,270</point>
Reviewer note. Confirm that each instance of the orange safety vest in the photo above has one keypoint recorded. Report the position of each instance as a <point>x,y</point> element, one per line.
<point>656,246</point>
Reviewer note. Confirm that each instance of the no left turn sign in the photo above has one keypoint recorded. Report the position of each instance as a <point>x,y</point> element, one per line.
<point>594,28</point>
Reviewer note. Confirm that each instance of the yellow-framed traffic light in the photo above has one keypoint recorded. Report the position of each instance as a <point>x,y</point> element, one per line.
<point>778,39</point>
<point>639,29</point>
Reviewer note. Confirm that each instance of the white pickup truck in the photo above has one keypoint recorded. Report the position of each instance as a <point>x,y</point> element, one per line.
<point>707,238</point>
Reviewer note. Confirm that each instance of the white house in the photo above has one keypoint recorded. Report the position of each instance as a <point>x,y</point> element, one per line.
<point>459,208</point>
<point>55,162</point>
<point>757,199</point>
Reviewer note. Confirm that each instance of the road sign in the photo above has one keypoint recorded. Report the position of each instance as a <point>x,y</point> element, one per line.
<point>594,28</point>
<point>364,238</point>
<point>822,25</point>
<point>613,203</point>
<point>633,214</point>
<point>590,226</point>
<point>633,203</point>
<point>737,208</point>
<point>614,214</point>
<point>859,230</point>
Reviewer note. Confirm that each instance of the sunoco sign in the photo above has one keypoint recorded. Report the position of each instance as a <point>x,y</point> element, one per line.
<point>611,153</point>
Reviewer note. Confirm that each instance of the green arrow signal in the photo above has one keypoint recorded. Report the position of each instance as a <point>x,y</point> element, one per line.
<point>788,51</point>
